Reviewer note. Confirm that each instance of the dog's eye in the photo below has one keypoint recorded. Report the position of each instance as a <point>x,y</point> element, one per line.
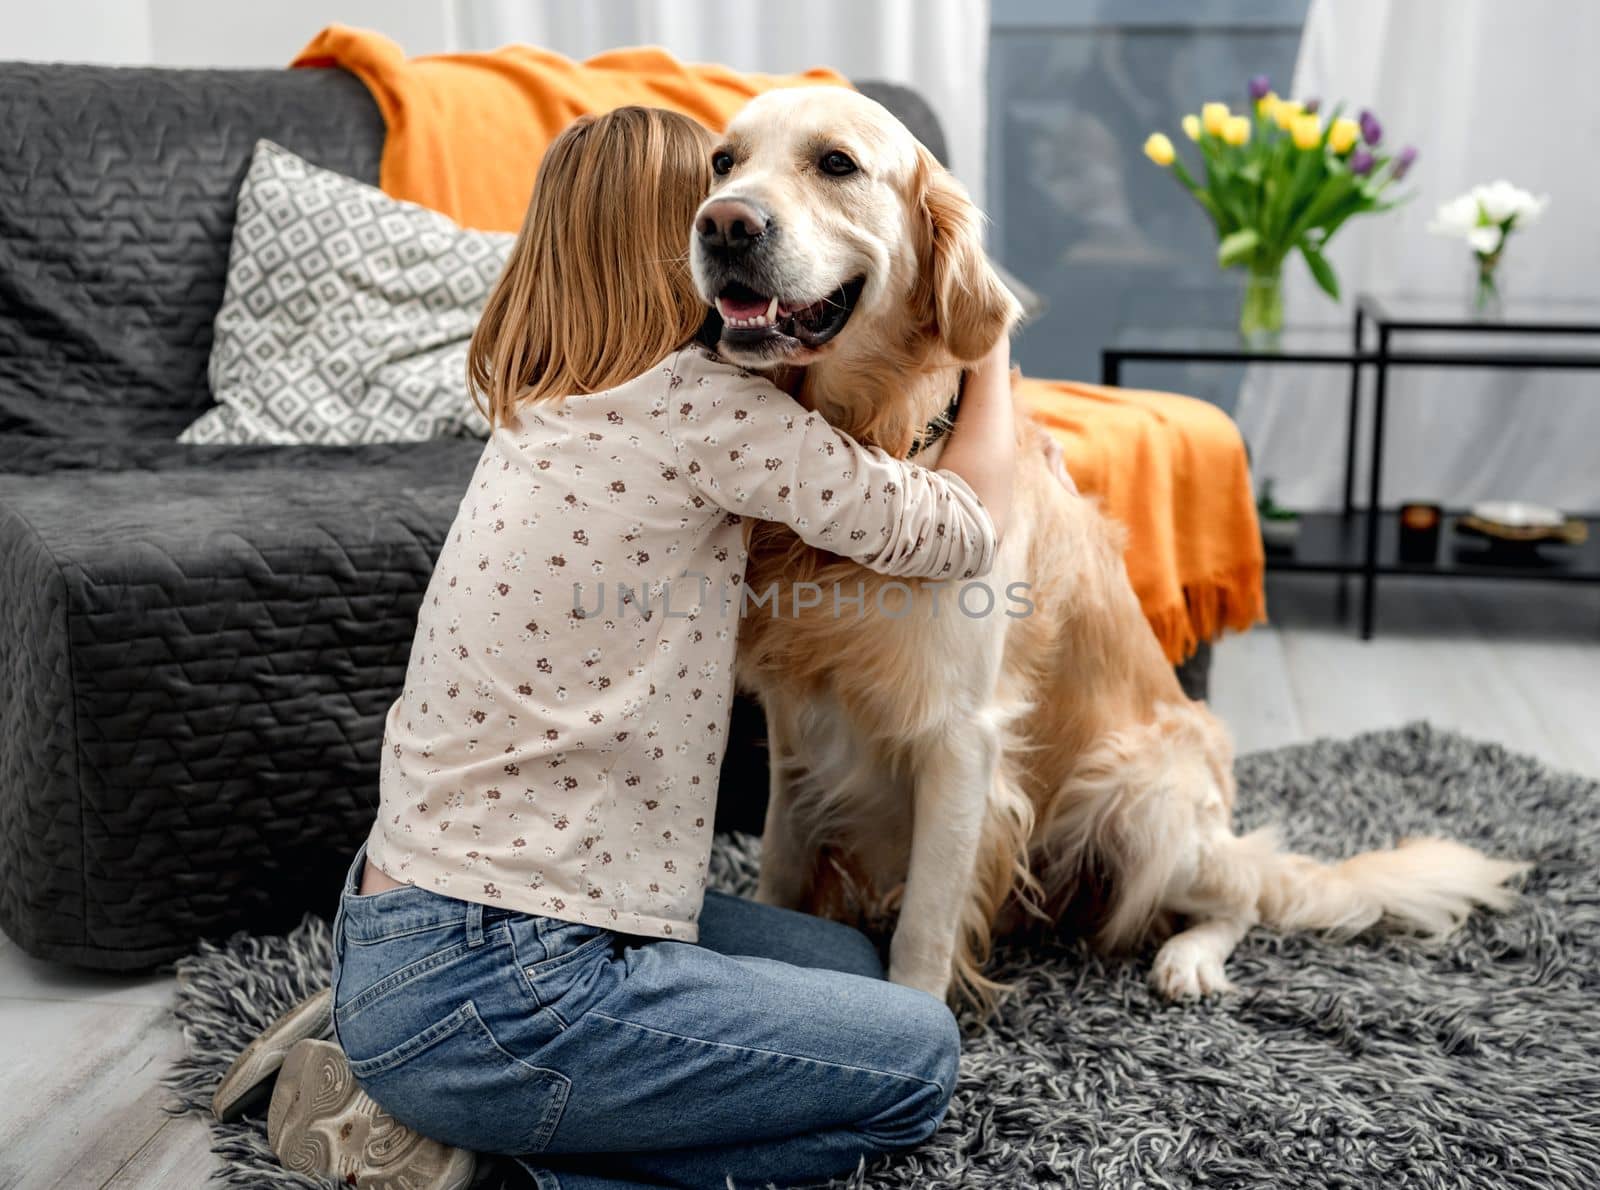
<point>721,162</point>
<point>837,164</point>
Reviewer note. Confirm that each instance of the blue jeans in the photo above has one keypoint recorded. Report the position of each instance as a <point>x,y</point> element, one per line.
<point>772,1051</point>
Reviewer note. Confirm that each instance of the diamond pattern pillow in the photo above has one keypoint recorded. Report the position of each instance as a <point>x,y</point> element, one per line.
<point>346,313</point>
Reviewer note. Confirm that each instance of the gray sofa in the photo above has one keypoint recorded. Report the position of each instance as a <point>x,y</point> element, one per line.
<point>197,644</point>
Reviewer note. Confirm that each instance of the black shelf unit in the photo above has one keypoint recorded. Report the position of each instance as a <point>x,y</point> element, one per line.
<point>1332,543</point>
<point>1350,542</point>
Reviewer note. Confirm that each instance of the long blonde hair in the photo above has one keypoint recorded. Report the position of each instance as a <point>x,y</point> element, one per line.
<point>598,287</point>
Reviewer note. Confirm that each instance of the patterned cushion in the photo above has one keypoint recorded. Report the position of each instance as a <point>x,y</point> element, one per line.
<point>346,314</point>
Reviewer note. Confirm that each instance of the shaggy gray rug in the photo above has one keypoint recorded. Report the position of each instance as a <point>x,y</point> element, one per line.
<point>1373,1063</point>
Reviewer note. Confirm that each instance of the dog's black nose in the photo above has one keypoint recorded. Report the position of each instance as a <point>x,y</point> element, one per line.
<point>732,225</point>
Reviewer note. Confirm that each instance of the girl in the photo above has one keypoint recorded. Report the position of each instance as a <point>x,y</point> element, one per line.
<point>527,959</point>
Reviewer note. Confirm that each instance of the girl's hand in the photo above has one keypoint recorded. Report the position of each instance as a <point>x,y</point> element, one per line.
<point>1057,462</point>
<point>982,446</point>
<point>996,365</point>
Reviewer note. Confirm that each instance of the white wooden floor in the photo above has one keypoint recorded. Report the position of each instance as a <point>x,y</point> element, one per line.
<point>82,1055</point>
<point>1511,662</point>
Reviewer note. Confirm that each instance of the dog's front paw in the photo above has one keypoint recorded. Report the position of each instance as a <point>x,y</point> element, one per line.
<point>919,965</point>
<point>1187,969</point>
<point>935,983</point>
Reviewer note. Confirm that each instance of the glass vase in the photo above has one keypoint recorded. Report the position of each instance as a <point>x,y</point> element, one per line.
<point>1487,301</point>
<point>1261,312</point>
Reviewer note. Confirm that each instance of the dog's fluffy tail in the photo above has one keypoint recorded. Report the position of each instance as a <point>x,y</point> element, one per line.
<point>1423,886</point>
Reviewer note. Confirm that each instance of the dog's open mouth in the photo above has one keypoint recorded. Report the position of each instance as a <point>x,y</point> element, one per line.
<point>750,318</point>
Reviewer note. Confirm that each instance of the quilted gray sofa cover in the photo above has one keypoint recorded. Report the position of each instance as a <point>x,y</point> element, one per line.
<point>197,644</point>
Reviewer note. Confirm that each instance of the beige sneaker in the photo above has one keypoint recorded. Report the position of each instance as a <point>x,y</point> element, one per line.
<point>248,1083</point>
<point>322,1122</point>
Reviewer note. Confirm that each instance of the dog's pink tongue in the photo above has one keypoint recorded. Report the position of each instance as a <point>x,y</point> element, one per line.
<point>742,307</point>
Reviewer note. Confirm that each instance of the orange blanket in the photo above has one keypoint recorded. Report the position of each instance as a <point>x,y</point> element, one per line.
<point>466,132</point>
<point>1174,471</point>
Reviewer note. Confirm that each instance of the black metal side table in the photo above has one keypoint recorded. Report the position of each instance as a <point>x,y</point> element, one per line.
<point>1356,541</point>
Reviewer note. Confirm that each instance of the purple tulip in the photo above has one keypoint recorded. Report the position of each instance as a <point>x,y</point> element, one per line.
<point>1259,86</point>
<point>1312,106</point>
<point>1403,162</point>
<point>1371,130</point>
<point>1361,163</point>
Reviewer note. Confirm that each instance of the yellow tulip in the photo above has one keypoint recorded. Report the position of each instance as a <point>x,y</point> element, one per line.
<point>1191,127</point>
<point>1342,134</point>
<point>1159,149</point>
<point>1237,130</point>
<point>1267,104</point>
<point>1213,116</point>
<point>1286,111</point>
<point>1307,132</point>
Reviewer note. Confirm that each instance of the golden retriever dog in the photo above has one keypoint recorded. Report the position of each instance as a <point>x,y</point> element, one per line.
<point>1013,749</point>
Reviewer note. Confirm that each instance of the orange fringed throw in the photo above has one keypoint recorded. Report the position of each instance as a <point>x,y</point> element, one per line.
<point>467,131</point>
<point>1173,470</point>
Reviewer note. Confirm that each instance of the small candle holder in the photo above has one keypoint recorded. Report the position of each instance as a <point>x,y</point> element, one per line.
<point>1419,532</point>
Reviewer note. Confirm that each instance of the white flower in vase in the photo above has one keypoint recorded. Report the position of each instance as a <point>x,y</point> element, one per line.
<point>1503,204</point>
<point>1485,217</point>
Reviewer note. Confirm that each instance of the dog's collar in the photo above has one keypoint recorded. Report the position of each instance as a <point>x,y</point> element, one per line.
<point>941,425</point>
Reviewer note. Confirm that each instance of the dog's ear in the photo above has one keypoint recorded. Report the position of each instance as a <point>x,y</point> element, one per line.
<point>964,299</point>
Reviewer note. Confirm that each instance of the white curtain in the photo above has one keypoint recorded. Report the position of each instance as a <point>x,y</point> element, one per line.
<point>206,33</point>
<point>1485,89</point>
<point>940,47</point>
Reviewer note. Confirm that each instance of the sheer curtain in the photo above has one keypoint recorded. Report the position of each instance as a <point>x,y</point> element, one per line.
<point>940,47</point>
<point>1484,89</point>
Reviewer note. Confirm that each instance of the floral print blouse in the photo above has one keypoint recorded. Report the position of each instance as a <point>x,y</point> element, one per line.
<point>556,746</point>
